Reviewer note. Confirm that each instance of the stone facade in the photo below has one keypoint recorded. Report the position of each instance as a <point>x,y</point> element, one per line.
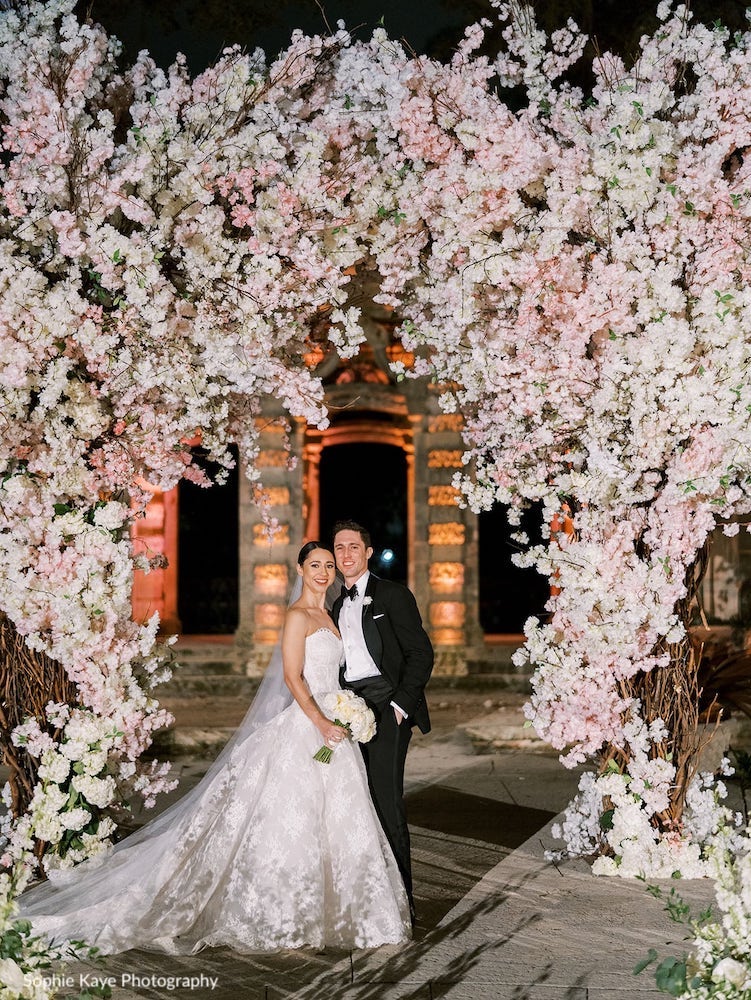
<point>366,405</point>
<point>441,536</point>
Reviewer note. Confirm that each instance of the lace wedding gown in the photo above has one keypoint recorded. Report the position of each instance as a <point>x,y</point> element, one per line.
<point>278,851</point>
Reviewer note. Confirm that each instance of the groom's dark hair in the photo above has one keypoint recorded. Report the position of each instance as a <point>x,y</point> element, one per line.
<point>354,526</point>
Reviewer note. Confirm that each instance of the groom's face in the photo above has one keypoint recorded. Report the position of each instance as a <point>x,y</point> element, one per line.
<point>351,555</point>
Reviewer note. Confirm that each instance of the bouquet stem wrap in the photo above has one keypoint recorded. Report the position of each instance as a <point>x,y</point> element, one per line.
<point>349,711</point>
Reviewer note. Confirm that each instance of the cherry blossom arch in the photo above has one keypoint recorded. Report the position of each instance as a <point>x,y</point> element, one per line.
<point>578,270</point>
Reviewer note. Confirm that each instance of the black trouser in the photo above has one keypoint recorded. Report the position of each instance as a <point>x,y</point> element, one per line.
<point>384,761</point>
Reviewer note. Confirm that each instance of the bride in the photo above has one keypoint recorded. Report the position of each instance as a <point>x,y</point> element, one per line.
<point>271,850</point>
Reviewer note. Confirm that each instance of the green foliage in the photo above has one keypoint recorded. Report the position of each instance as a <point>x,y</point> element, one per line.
<point>606,819</point>
<point>34,956</point>
<point>670,974</point>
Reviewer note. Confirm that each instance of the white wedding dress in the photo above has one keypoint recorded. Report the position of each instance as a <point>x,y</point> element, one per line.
<point>277,851</point>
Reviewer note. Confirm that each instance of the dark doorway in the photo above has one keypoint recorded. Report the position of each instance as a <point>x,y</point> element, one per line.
<point>368,484</point>
<point>508,594</point>
<point>207,594</point>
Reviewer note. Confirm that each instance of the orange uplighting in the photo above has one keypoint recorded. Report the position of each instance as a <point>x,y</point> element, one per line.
<point>269,615</point>
<point>445,459</point>
<point>194,440</point>
<point>273,458</point>
<point>443,496</point>
<point>154,533</point>
<point>446,422</point>
<point>266,636</point>
<point>396,352</point>
<point>446,577</point>
<point>314,356</point>
<point>447,614</point>
<point>449,533</point>
<point>562,522</point>
<point>261,536</point>
<point>271,496</point>
<point>271,580</point>
<point>448,636</point>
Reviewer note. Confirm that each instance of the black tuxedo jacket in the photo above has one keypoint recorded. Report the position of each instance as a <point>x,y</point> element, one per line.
<point>399,645</point>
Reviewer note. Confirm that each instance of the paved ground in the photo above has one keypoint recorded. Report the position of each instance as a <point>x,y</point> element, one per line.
<point>495,920</point>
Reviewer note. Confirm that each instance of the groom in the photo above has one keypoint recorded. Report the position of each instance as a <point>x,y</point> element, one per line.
<point>388,660</point>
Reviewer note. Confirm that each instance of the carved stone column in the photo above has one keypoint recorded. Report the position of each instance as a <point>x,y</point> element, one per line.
<point>451,545</point>
<point>267,550</point>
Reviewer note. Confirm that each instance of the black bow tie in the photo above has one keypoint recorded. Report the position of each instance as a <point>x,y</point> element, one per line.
<point>350,592</point>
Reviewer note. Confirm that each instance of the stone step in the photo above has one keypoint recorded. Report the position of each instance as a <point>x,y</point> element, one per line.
<point>480,681</point>
<point>191,741</point>
<point>197,683</point>
<point>222,678</point>
<point>497,659</point>
<point>503,729</point>
<point>194,685</point>
<point>194,667</point>
<point>205,650</point>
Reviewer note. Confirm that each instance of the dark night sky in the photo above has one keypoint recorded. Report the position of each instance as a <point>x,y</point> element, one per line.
<point>201,28</point>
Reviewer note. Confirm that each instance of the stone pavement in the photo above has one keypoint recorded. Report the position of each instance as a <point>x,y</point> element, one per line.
<point>495,920</point>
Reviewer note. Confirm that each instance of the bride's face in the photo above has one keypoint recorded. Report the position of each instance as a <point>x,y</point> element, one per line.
<point>318,570</point>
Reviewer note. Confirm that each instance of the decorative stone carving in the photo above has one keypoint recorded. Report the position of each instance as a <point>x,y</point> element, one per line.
<point>453,422</point>
<point>444,458</point>
<point>447,577</point>
<point>263,539</point>
<point>270,426</point>
<point>271,579</point>
<point>273,496</point>
<point>448,533</point>
<point>273,458</point>
<point>448,637</point>
<point>447,614</point>
<point>269,615</point>
<point>443,496</point>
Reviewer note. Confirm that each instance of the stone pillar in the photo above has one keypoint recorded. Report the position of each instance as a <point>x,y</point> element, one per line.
<point>451,539</point>
<point>267,551</point>
<point>417,501</point>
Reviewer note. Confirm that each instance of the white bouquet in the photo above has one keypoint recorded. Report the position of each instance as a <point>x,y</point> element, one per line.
<point>348,710</point>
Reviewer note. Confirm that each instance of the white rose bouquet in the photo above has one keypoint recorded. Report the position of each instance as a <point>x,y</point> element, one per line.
<point>348,710</point>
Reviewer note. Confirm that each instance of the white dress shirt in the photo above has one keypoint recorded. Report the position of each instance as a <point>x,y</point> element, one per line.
<point>359,663</point>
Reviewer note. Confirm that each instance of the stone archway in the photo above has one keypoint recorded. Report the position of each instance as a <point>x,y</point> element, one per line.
<point>373,432</point>
<point>208,554</point>
<point>367,481</point>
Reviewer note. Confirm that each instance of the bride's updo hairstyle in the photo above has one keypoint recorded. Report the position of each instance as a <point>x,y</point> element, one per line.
<point>308,548</point>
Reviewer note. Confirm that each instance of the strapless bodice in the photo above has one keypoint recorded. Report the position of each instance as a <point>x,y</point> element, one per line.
<point>323,653</point>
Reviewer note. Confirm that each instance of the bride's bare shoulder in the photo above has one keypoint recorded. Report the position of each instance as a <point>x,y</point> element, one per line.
<point>296,618</point>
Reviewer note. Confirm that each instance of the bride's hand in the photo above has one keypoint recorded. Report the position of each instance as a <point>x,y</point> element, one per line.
<point>332,734</point>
